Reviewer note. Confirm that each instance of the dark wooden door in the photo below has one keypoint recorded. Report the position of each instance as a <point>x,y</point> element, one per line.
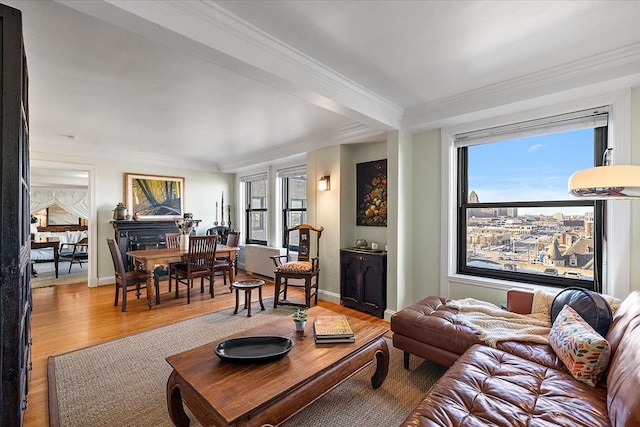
<point>350,278</point>
<point>374,289</point>
<point>15,286</point>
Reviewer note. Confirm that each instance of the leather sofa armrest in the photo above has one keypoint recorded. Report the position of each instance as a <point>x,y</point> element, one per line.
<point>519,300</point>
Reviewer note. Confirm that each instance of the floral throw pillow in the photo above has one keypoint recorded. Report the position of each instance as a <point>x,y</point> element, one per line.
<point>582,350</point>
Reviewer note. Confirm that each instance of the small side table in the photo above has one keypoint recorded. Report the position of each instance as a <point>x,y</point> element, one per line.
<point>247,286</point>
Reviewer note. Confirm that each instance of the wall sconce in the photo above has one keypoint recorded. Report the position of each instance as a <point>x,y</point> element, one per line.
<point>606,182</point>
<point>324,183</point>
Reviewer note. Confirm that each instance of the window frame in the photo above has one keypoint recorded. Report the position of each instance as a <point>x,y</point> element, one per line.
<point>286,209</point>
<point>463,204</point>
<point>250,210</point>
<point>617,257</point>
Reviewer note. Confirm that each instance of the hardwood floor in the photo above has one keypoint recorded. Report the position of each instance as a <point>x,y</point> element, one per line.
<point>70,317</point>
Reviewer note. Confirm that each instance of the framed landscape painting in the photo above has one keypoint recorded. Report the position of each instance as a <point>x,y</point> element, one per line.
<point>154,197</point>
<point>371,183</point>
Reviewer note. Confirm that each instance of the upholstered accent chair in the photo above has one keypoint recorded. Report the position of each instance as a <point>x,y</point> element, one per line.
<point>298,263</point>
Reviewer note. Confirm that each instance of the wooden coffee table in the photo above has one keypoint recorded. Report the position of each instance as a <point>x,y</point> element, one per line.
<point>226,394</point>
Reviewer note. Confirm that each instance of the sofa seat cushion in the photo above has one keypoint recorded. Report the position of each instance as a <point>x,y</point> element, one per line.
<point>541,354</point>
<point>487,386</point>
<point>432,322</point>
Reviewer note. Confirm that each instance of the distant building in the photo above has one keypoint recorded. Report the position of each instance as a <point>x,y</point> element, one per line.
<point>579,254</point>
<point>489,212</point>
<point>507,212</point>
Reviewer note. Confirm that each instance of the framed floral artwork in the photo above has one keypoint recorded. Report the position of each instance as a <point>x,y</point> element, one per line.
<point>154,197</point>
<point>371,182</point>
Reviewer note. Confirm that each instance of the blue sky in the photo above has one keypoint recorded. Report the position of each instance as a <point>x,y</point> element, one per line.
<point>533,168</point>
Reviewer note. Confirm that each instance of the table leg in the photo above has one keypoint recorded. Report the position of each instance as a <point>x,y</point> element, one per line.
<point>237,301</point>
<point>56,258</point>
<point>382,364</point>
<point>174,403</point>
<point>248,302</point>
<point>231,270</point>
<point>260,297</point>
<point>151,290</point>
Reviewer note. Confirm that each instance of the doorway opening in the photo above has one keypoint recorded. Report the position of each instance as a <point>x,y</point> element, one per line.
<point>63,211</point>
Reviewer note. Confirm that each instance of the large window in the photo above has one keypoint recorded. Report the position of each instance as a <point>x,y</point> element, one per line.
<point>516,220</point>
<point>256,208</point>
<point>294,200</point>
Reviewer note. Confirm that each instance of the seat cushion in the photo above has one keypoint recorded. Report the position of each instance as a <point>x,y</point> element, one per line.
<point>295,267</point>
<point>487,386</point>
<point>136,276</point>
<point>541,354</point>
<point>183,271</point>
<point>222,263</point>
<point>432,322</point>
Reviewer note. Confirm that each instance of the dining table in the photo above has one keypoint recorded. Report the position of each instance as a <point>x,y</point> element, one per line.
<point>152,258</point>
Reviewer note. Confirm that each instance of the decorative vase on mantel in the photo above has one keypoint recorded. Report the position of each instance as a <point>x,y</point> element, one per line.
<point>184,242</point>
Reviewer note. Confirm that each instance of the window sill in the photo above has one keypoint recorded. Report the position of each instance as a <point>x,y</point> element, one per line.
<point>503,285</point>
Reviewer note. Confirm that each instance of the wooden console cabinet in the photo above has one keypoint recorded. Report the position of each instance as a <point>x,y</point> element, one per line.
<point>363,280</point>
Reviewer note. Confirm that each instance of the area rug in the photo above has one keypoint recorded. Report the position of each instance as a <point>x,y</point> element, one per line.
<point>47,275</point>
<point>110,385</point>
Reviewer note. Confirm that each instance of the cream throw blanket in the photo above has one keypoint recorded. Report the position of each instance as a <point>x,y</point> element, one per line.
<point>492,324</point>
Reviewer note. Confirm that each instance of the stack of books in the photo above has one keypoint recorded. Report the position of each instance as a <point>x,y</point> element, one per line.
<point>332,329</point>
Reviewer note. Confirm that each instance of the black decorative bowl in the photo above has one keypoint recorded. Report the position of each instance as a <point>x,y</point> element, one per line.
<point>260,349</point>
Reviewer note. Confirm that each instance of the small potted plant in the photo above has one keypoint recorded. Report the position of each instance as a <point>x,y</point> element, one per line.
<point>300,318</point>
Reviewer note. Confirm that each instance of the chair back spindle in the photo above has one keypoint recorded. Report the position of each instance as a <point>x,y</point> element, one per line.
<point>172,240</point>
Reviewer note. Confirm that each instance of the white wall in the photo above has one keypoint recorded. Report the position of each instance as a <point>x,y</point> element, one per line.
<point>324,209</point>
<point>202,189</point>
<point>425,244</point>
<point>336,210</point>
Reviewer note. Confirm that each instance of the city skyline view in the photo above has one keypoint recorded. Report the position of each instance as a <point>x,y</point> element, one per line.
<point>549,241</point>
<point>533,168</point>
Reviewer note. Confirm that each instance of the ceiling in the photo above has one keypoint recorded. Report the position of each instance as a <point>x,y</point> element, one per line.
<point>227,85</point>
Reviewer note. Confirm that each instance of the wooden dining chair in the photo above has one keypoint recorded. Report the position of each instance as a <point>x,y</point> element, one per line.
<point>304,266</point>
<point>171,241</point>
<point>221,231</point>
<point>128,281</point>
<point>225,264</point>
<point>233,240</point>
<point>197,263</point>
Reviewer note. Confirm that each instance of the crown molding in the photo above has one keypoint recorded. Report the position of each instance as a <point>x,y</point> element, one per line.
<point>288,69</point>
<point>615,64</point>
<point>349,134</point>
<point>94,151</point>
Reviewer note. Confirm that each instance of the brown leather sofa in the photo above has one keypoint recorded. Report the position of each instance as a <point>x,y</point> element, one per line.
<point>517,384</point>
